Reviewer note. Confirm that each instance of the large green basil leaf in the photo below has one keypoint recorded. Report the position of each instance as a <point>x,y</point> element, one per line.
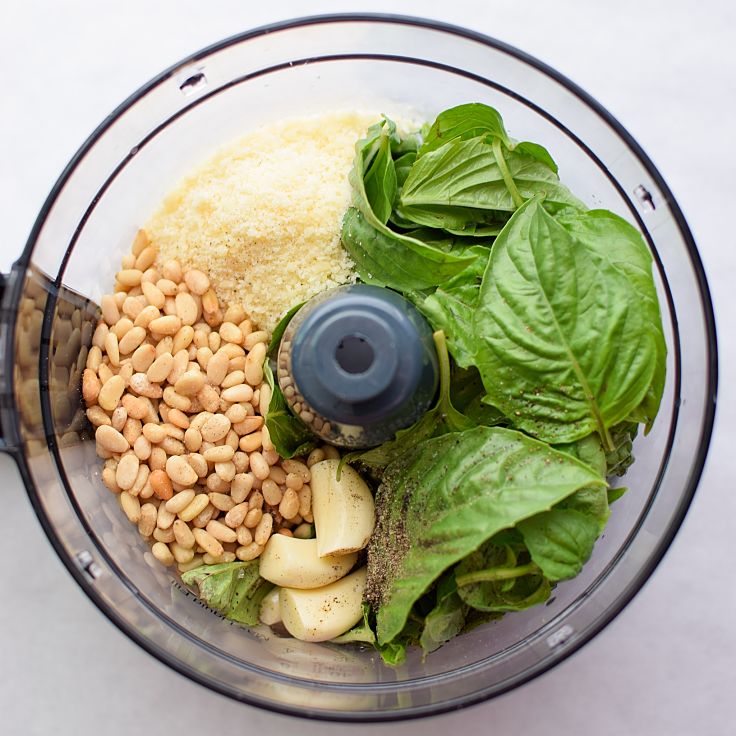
<point>466,394</point>
<point>620,458</point>
<point>462,122</point>
<point>458,220</point>
<point>564,347</point>
<point>234,589</point>
<point>560,541</point>
<point>620,245</point>
<point>385,258</point>
<point>480,175</point>
<point>445,497</point>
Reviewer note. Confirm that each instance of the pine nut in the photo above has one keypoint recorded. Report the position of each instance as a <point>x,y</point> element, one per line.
<point>255,501</point>
<point>271,492</point>
<point>215,428</point>
<point>217,367</point>
<point>160,368</point>
<point>303,531</point>
<point>233,379</point>
<point>131,340</point>
<point>142,358</point>
<point>305,500</point>
<point>197,505</point>
<point>225,471</point>
<point>91,385</point>
<point>208,543</point>
<point>131,507</point>
<point>146,316</point>
<point>231,333</point>
<point>172,271</point>
<point>236,413</point>
<point>111,439</point>
<point>110,312</point>
<point>237,394</point>
<point>253,518</point>
<point>165,518</point>
<point>183,534</point>
<point>99,335</point>
<point>263,530</point>
<point>316,456</point>
<point>142,386</point>
<point>293,480</point>
<point>140,242</point>
<point>157,461</point>
<point>241,461</point>
<point>258,465</point>
<point>221,501</point>
<point>256,338</point>
<point>168,325</point>
<point>180,501</point>
<point>178,418</point>
<point>190,383</point>
<point>181,554</point>
<point>236,515</point>
<point>147,522</point>
<point>198,463</point>
<point>200,521</point>
<point>167,287</point>
<point>161,484</point>
<point>289,506</point>
<point>162,553</point>
<point>266,440</point>
<point>154,432</point>
<point>129,277</point>
<point>294,466</point>
<point>248,552</point>
<point>221,532</point>
<point>163,535</point>
<point>135,407</point>
<point>241,486</point>
<point>254,364</point>
<point>108,478</point>
<point>219,454</point>
<point>192,439</point>
<point>110,393</point>
<point>245,535</point>
<point>195,562</point>
<point>118,419</point>
<point>180,471</point>
<point>97,417</point>
<point>251,442</point>
<point>127,471</point>
<point>121,328</point>
<point>142,448</point>
<point>94,358</point>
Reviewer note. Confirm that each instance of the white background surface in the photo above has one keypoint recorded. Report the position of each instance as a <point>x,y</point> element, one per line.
<point>667,70</point>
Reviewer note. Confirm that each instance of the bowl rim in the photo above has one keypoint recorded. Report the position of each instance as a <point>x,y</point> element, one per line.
<point>14,293</point>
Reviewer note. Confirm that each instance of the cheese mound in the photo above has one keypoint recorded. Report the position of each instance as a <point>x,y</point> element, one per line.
<point>262,216</point>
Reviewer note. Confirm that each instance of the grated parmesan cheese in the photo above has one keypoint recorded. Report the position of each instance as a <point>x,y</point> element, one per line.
<point>262,217</point>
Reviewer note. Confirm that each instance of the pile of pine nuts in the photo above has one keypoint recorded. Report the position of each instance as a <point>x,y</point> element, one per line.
<point>175,390</point>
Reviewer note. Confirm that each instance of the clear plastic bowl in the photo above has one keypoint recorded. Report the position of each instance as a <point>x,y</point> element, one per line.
<point>400,65</point>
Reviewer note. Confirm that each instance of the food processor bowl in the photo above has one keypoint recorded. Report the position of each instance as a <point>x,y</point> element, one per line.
<point>405,67</point>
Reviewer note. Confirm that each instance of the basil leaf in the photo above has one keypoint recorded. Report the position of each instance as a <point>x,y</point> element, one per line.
<point>234,589</point>
<point>620,458</point>
<point>458,220</point>
<point>540,153</point>
<point>289,434</point>
<point>385,258</point>
<point>403,166</point>
<point>446,619</point>
<point>564,348</point>
<point>464,121</point>
<point>489,580</point>
<point>471,174</point>
<point>380,181</point>
<point>361,632</point>
<point>621,246</point>
<point>382,256</point>
<point>280,328</point>
<point>445,497</point>
<point>615,493</point>
<point>560,541</point>
<point>466,394</point>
